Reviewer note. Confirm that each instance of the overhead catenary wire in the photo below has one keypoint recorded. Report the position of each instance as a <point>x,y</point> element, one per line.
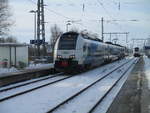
<point>59,14</point>
<point>68,18</point>
<point>101,4</point>
<point>107,12</point>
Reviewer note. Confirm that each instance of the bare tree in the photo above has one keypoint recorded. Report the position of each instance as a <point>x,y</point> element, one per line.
<point>2,40</point>
<point>55,33</point>
<point>9,39</point>
<point>4,18</point>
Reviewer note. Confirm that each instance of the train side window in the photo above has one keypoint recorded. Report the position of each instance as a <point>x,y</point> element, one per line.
<point>84,48</point>
<point>89,51</point>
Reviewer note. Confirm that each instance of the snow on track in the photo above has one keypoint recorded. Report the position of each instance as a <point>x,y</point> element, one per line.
<point>105,104</point>
<point>41,100</point>
<point>93,94</point>
<point>25,82</point>
<point>28,87</point>
<point>147,69</point>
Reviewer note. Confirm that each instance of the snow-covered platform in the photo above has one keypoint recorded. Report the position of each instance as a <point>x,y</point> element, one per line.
<point>5,72</point>
<point>135,94</point>
<point>147,69</point>
<point>13,75</point>
<point>145,107</point>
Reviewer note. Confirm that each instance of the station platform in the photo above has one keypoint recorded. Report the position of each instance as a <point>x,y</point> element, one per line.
<point>134,97</point>
<point>26,74</point>
<point>31,68</point>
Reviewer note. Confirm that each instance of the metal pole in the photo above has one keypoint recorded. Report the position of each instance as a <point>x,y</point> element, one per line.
<point>102,22</point>
<point>38,26</point>
<point>133,44</point>
<point>67,27</point>
<point>33,11</point>
<point>15,57</point>
<point>43,28</point>
<point>126,37</point>
<point>110,37</point>
<point>9,56</point>
<point>35,33</point>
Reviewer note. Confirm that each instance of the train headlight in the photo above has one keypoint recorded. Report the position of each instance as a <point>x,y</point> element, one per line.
<point>59,56</point>
<point>72,56</point>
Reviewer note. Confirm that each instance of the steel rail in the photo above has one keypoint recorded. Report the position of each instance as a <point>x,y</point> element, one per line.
<point>17,86</point>
<point>82,90</point>
<point>111,88</point>
<point>30,90</point>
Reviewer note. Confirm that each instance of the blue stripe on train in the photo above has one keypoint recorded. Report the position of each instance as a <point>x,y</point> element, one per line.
<point>147,47</point>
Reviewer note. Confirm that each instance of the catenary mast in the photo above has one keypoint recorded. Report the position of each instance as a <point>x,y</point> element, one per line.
<point>40,27</point>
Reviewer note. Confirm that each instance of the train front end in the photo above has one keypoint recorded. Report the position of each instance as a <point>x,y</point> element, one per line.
<point>65,52</point>
<point>137,52</point>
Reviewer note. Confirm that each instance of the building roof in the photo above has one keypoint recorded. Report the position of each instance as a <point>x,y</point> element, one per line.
<point>13,44</point>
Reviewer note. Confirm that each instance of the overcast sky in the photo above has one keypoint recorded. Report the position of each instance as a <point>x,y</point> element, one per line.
<point>60,11</point>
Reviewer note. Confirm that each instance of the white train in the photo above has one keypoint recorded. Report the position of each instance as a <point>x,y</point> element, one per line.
<point>137,52</point>
<point>76,51</point>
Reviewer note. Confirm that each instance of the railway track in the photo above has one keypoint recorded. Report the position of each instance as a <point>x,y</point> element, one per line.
<point>53,79</point>
<point>23,75</point>
<point>66,102</point>
<point>17,85</point>
<point>110,89</point>
<point>9,92</point>
<point>58,97</point>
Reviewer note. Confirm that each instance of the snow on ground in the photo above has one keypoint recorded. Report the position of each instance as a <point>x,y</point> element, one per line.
<point>21,83</point>
<point>43,99</point>
<point>147,69</point>
<point>28,87</point>
<point>92,95</point>
<point>104,106</point>
<point>30,67</point>
<point>8,70</point>
<point>36,66</point>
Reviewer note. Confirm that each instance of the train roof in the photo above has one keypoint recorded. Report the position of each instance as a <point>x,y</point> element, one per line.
<point>91,38</point>
<point>114,44</point>
<point>85,36</point>
<point>109,43</point>
<point>71,32</point>
<point>119,45</point>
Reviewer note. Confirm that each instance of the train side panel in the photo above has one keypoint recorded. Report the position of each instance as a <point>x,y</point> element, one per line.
<point>73,51</point>
<point>147,51</point>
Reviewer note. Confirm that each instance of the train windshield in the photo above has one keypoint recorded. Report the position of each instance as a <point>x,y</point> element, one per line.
<point>136,49</point>
<point>68,41</point>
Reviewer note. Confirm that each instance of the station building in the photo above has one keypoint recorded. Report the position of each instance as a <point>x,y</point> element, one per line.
<point>13,54</point>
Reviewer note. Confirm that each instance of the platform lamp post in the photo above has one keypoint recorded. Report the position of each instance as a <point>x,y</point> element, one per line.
<point>34,12</point>
<point>67,25</point>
